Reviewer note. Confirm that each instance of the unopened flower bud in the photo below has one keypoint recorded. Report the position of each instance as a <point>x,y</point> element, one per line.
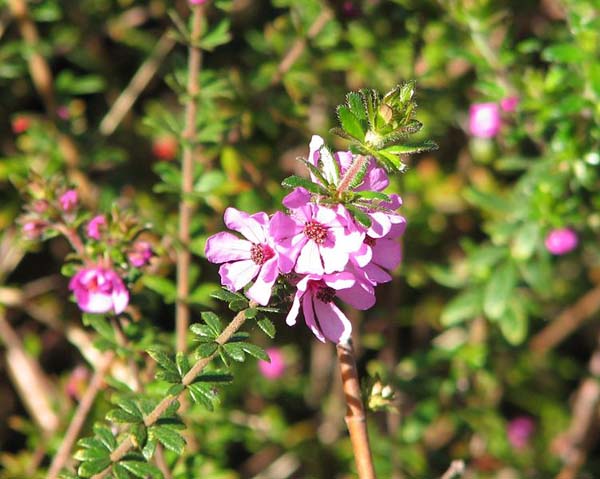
<point>484,120</point>
<point>561,241</point>
<point>94,226</point>
<point>68,200</point>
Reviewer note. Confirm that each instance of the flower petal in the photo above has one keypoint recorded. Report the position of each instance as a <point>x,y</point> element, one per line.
<point>243,223</point>
<point>333,323</point>
<point>309,261</point>
<point>238,274</point>
<point>224,247</point>
<point>309,316</point>
<point>262,287</point>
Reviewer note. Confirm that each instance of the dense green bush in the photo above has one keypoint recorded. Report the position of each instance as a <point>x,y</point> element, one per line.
<point>487,334</point>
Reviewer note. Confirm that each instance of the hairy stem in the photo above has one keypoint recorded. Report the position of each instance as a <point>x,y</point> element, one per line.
<point>357,165</point>
<point>160,409</point>
<point>80,415</point>
<point>182,311</point>
<point>355,414</point>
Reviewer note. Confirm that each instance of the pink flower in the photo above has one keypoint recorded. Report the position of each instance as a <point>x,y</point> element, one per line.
<point>33,229</point>
<point>315,239</point>
<point>198,2</point>
<point>315,295</point>
<point>519,430</point>
<point>99,290</point>
<point>68,200</point>
<point>245,259</point>
<point>561,241</point>
<point>484,120</point>
<point>94,226</point>
<point>140,254</point>
<point>275,368</point>
<point>509,104</point>
<point>386,253</point>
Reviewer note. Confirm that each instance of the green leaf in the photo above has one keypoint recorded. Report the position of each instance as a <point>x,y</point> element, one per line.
<point>463,307</point>
<point>120,472</point>
<point>234,351</point>
<point>64,474</point>
<point>163,286</point>
<point>214,377</point>
<point>89,468</point>
<point>202,394</point>
<point>525,241</point>
<point>106,436</point>
<point>267,326</point>
<point>169,438</point>
<point>350,123</point>
<point>238,305</point>
<point>254,350</point>
<point>329,166</point>
<point>359,215</point>
<point>219,35</point>
<point>92,443</point>
<point>213,322</point>
<point>251,313</point>
<point>371,102</point>
<point>118,415</point>
<point>129,406</point>
<point>141,469</point>
<point>513,323</point>
<point>91,454</point>
<point>70,84</point>
<point>372,195</point>
<point>564,53</point>
<point>408,149</point>
<point>163,360</point>
<point>149,448</point>
<point>206,350</point>
<point>183,365</point>
<point>175,389</point>
<point>298,181</point>
<point>101,325</point>
<point>225,295</point>
<point>499,289</point>
<point>356,105</point>
<point>139,435</point>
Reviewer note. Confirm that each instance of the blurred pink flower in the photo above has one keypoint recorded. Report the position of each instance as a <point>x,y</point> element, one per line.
<point>509,104</point>
<point>275,368</point>
<point>94,226</point>
<point>77,382</point>
<point>68,200</point>
<point>140,254</point>
<point>561,241</point>
<point>519,431</point>
<point>484,120</point>
<point>33,229</point>
<point>99,290</point>
<point>198,2</point>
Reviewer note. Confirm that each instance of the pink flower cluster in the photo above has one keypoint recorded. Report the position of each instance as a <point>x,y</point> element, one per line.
<point>485,118</point>
<point>317,246</point>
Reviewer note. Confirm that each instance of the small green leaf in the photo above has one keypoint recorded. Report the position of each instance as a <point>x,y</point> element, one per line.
<point>359,216</point>
<point>525,241</point>
<point>213,322</point>
<point>169,438</point>
<point>214,377</point>
<point>564,53</point>
<point>234,351</point>
<point>251,313</point>
<point>513,323</point>
<point>254,350</point>
<point>139,435</point>
<point>203,394</point>
<point>350,123</point>
<point>175,389</point>
<point>106,436</point>
<point>238,305</point>
<point>463,307</point>
<point>219,35</point>
<point>163,360</point>
<point>89,468</point>
<point>225,295</point>
<point>499,289</point>
<point>129,406</point>
<point>183,365</point>
<point>91,454</point>
<point>206,350</point>
<point>267,326</point>
<point>408,149</point>
<point>120,472</point>
<point>118,415</point>
<point>356,105</point>
<point>149,448</point>
<point>297,181</point>
<point>141,469</point>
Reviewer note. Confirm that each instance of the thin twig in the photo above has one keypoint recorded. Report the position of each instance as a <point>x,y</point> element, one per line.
<point>567,322</point>
<point>137,84</point>
<point>456,470</point>
<point>355,414</point>
<point>78,420</point>
<point>300,44</point>
<point>182,310</point>
<point>159,410</point>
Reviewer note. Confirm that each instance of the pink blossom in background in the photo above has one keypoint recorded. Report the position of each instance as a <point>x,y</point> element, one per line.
<point>275,368</point>
<point>509,104</point>
<point>77,382</point>
<point>245,259</point>
<point>99,290</point>
<point>484,120</point>
<point>519,431</point>
<point>140,254</point>
<point>561,241</point>
<point>33,229</point>
<point>94,226</point>
<point>314,239</point>
<point>68,200</point>
<point>198,2</point>
<point>20,124</point>
<point>63,112</point>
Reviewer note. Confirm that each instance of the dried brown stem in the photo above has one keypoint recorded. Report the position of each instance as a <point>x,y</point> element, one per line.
<point>78,420</point>
<point>182,310</point>
<point>299,45</point>
<point>137,84</point>
<point>355,414</point>
<point>567,322</point>
<point>159,410</point>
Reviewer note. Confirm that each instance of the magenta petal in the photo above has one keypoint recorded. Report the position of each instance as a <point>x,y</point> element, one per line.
<point>341,280</point>
<point>309,261</point>
<point>376,274</point>
<point>245,224</point>
<point>262,287</point>
<point>237,275</point>
<point>387,253</point>
<point>120,300</point>
<point>297,198</point>
<point>360,296</point>
<point>334,324</point>
<point>224,247</point>
<point>309,316</point>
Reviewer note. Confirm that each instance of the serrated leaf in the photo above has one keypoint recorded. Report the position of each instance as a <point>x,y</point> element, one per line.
<point>214,378</point>
<point>251,313</point>
<point>234,351</point>
<point>149,448</point>
<point>169,438</point>
<point>91,454</point>
<point>183,364</point>
<point>499,289</point>
<point>350,123</point>
<point>359,216</point>
<point>129,406</point>
<point>359,176</point>
<point>120,472</point>
<point>225,295</point>
<point>139,435</point>
<point>203,394</point>
<point>254,350</point>
<point>213,322</point>
<point>91,443</point>
<point>106,436</point>
<point>202,330</point>
<point>141,469</point>
<point>409,149</point>
<point>175,389</point>
<point>298,181</point>
<point>371,103</point>
<point>267,326</point>
<point>89,468</point>
<point>205,350</point>
<point>238,305</point>
<point>118,415</point>
<point>356,105</point>
<point>168,376</point>
<point>373,195</point>
<point>163,360</point>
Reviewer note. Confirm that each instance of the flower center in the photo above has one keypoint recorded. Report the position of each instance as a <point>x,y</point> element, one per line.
<point>325,293</point>
<point>261,253</point>
<point>369,241</point>
<point>315,231</point>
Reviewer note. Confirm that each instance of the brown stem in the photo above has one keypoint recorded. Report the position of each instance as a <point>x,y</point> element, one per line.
<point>159,410</point>
<point>80,416</point>
<point>72,237</point>
<point>299,45</point>
<point>355,414</point>
<point>567,322</point>
<point>182,311</point>
<point>456,470</point>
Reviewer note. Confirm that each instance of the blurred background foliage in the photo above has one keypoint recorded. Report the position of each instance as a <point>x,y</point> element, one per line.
<point>481,326</point>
